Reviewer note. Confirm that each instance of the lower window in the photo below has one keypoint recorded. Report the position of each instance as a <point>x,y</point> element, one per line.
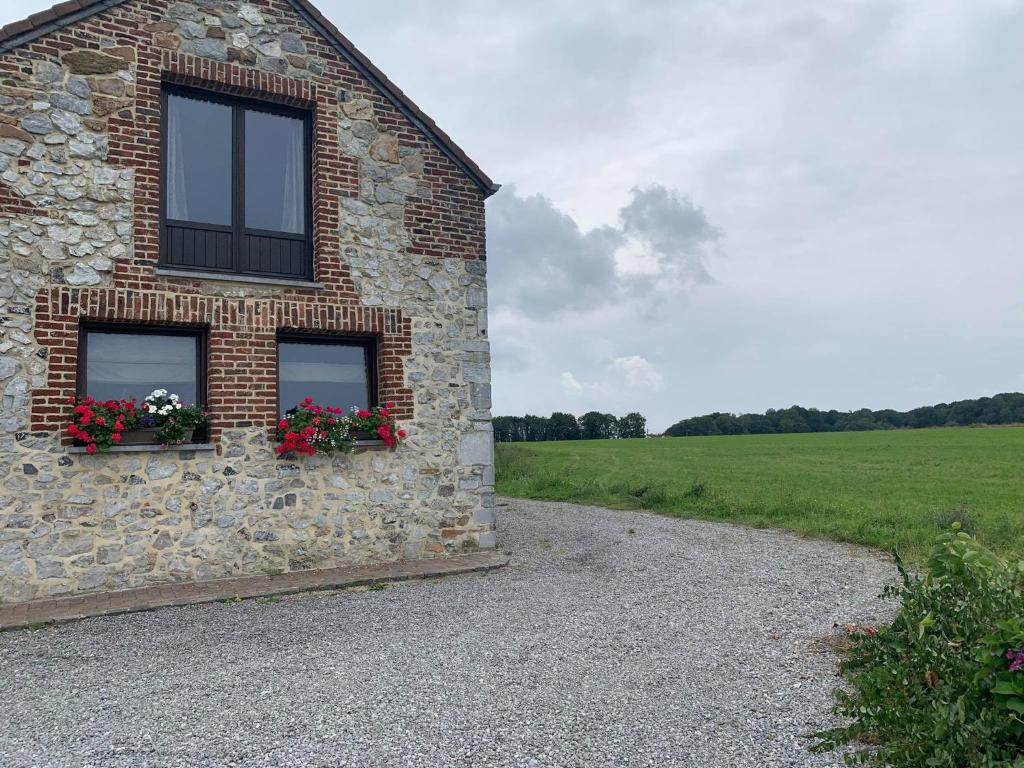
<point>121,362</point>
<point>335,372</point>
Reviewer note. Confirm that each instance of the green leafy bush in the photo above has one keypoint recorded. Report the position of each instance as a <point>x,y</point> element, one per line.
<point>943,685</point>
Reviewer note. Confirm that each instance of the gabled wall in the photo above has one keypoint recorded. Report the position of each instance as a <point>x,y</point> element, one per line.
<point>399,249</point>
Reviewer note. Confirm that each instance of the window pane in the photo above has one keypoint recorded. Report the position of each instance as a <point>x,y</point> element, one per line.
<point>275,172</point>
<point>332,374</point>
<point>198,160</point>
<point>124,365</point>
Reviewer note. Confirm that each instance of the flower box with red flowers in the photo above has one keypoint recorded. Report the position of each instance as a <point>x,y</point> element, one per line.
<point>312,428</point>
<point>101,424</point>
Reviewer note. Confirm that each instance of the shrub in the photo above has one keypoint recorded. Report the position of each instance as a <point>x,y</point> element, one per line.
<point>943,685</point>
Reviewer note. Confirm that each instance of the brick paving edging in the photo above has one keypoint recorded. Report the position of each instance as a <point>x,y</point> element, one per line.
<point>61,609</point>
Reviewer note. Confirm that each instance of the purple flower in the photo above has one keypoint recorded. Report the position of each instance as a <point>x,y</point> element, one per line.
<point>1016,659</point>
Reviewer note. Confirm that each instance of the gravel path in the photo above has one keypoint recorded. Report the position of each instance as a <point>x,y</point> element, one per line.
<point>681,644</point>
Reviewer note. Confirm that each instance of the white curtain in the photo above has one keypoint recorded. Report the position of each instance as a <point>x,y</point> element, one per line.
<point>293,214</point>
<point>177,191</point>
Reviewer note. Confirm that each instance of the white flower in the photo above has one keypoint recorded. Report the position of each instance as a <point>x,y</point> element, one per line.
<point>177,406</point>
<point>151,408</point>
<point>174,398</point>
<point>165,410</point>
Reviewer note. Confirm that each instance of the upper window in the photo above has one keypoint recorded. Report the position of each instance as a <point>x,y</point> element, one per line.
<point>334,372</point>
<point>236,189</point>
<point>121,362</point>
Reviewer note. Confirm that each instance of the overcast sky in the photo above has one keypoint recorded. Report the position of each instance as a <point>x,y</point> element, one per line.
<point>732,204</point>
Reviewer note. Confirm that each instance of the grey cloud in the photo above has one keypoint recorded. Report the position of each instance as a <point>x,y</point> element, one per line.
<point>542,263</point>
<point>673,226</point>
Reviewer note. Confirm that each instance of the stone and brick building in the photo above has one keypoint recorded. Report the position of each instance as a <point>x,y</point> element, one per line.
<point>228,200</point>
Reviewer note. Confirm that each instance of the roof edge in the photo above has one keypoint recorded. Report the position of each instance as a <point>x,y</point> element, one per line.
<point>65,14</point>
<point>403,103</point>
<point>17,33</point>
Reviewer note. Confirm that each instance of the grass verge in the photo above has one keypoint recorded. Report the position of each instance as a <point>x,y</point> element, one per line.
<point>892,490</point>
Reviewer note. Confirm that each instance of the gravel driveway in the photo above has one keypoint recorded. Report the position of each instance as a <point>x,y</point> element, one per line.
<point>677,644</point>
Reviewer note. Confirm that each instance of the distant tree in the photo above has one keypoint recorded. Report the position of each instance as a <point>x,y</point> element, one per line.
<point>756,424</point>
<point>727,424</point>
<point>563,426</point>
<point>504,428</point>
<point>928,416</point>
<point>535,428</point>
<point>632,425</point>
<point>597,426</point>
<point>792,420</point>
<point>1007,408</point>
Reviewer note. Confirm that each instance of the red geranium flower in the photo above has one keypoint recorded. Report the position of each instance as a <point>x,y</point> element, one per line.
<point>90,448</point>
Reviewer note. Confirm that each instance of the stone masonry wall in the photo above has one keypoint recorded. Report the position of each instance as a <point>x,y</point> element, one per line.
<point>399,249</point>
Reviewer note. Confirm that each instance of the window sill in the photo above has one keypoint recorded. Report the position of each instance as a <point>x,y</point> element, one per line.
<point>147,448</point>
<point>225,277</point>
<point>368,445</point>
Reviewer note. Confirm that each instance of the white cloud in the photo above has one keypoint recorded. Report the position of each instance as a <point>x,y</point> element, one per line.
<point>570,384</point>
<point>639,373</point>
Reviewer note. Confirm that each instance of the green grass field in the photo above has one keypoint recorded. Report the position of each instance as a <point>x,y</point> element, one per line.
<point>885,489</point>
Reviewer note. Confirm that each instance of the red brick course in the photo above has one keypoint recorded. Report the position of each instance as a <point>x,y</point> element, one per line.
<point>242,345</point>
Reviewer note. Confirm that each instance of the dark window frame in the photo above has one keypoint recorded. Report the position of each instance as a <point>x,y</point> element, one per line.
<point>237,229</point>
<point>201,333</point>
<point>368,342</point>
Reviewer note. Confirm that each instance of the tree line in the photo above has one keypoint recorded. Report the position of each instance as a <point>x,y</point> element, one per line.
<point>565,426</point>
<point>1007,408</point>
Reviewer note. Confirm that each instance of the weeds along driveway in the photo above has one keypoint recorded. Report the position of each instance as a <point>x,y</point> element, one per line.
<point>613,639</point>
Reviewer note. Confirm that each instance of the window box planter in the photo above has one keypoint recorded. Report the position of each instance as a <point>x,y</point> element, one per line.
<point>147,436</point>
<point>310,428</point>
<point>185,449</point>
